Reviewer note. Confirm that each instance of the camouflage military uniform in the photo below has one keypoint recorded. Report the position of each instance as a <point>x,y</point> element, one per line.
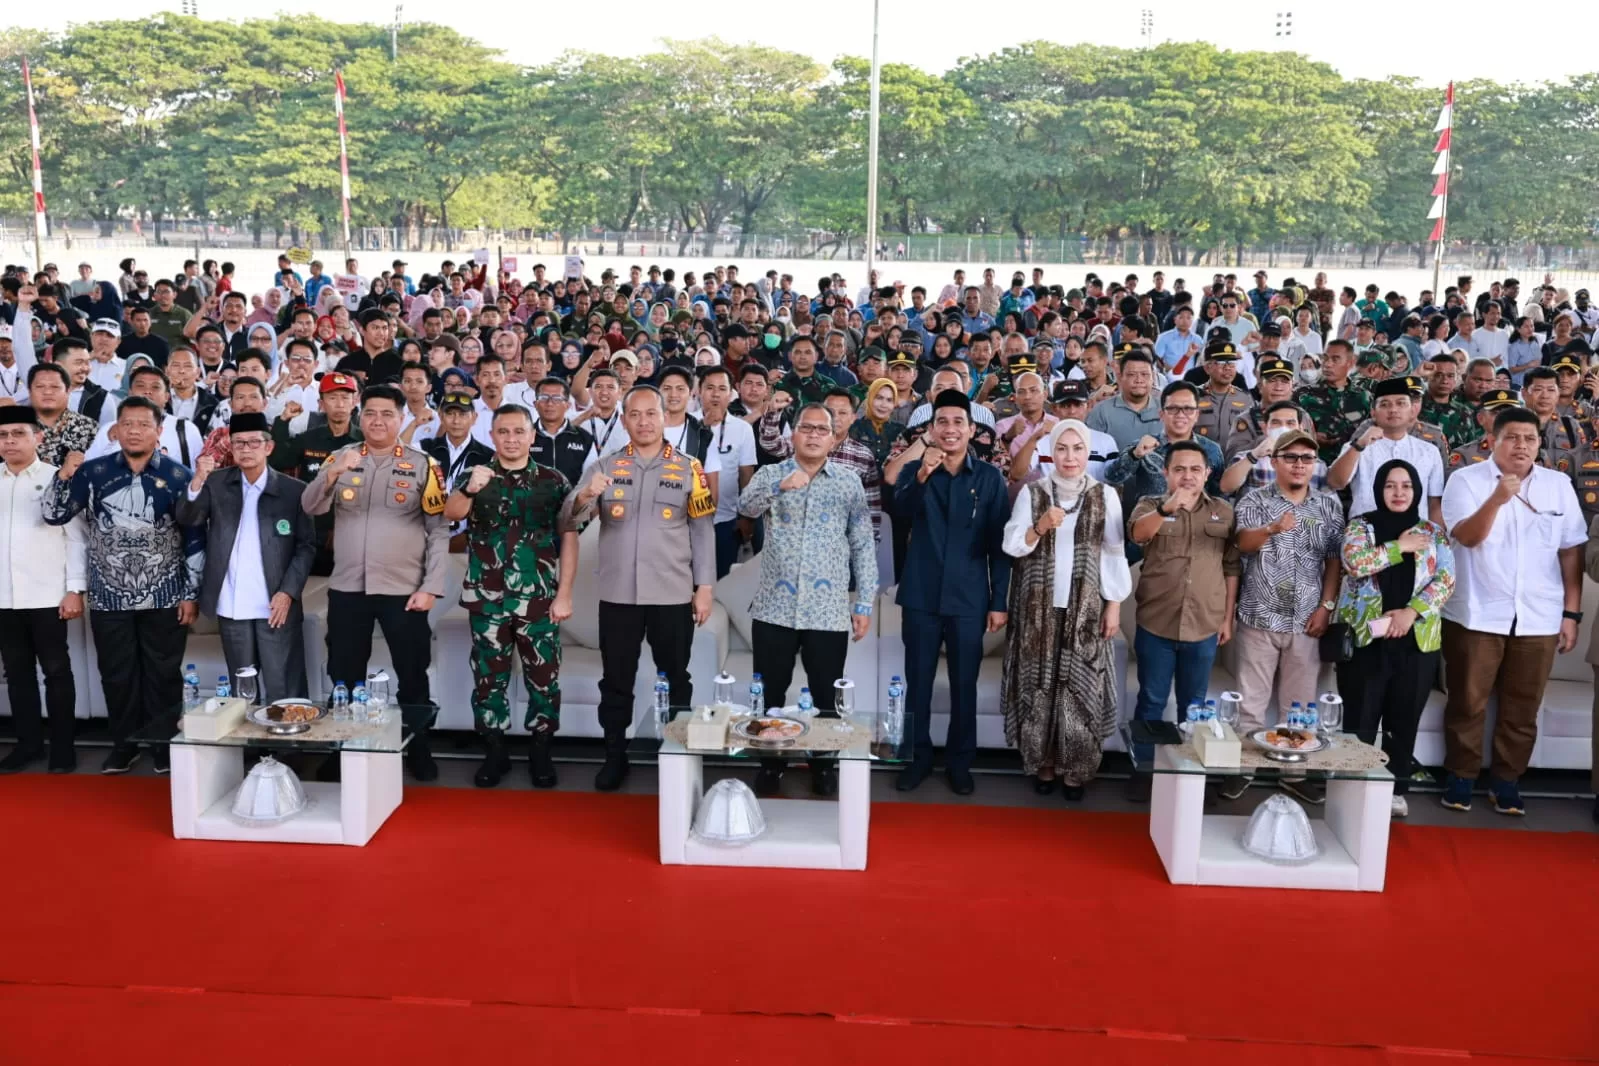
<point>513,567</point>
<point>1336,413</point>
<point>1456,419</point>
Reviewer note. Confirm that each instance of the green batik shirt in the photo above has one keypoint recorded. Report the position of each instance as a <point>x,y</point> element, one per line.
<point>1336,413</point>
<point>513,543</point>
<point>1455,418</point>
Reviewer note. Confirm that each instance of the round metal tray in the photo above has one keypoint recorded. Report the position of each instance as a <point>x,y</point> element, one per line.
<point>745,730</point>
<point>264,717</point>
<point>1258,737</point>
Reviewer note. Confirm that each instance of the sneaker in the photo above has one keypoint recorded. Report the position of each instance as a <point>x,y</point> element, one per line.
<point>1234,787</point>
<point>1399,808</point>
<point>121,760</point>
<point>1312,792</point>
<point>1507,798</point>
<point>162,757</point>
<point>1420,776</point>
<point>1457,794</point>
<point>19,759</point>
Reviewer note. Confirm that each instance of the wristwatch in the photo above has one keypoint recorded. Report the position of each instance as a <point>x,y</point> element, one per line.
<point>1329,605</point>
<point>1575,616</point>
<point>1160,509</point>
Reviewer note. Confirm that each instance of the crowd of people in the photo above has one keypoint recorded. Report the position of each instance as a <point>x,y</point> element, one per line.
<point>1315,475</point>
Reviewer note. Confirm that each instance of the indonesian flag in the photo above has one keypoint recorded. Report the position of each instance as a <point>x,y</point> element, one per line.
<point>1437,208</point>
<point>1442,165</point>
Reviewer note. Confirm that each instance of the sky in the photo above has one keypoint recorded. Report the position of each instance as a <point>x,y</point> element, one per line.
<point>1401,37</point>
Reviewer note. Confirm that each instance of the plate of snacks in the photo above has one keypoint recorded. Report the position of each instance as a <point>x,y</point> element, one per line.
<point>771,730</point>
<point>1288,744</point>
<point>286,717</point>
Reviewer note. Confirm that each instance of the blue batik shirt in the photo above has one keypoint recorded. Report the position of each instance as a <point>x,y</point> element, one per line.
<point>140,558</point>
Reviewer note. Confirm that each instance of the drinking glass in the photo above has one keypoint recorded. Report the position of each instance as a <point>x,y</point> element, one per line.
<point>244,684</point>
<point>844,702</point>
<point>1331,706</point>
<point>377,693</point>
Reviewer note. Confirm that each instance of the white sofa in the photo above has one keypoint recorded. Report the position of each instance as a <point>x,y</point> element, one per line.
<point>1565,723</point>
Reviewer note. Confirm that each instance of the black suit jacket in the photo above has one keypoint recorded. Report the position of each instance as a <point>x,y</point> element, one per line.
<point>477,454</point>
<point>287,545</point>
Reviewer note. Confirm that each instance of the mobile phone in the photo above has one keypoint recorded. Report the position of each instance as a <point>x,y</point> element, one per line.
<point>1162,732</point>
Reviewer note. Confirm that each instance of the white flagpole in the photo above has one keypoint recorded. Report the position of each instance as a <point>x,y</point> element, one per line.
<point>871,156</point>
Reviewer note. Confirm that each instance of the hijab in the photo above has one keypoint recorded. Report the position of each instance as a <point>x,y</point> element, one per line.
<point>871,393</point>
<point>1397,582</point>
<point>1066,491</point>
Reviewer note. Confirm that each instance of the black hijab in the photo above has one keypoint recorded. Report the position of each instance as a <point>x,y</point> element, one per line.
<point>1397,582</point>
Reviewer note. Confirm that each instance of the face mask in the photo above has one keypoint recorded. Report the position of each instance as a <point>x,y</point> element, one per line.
<point>1276,433</point>
<point>668,344</point>
<point>1310,377</point>
<point>771,340</point>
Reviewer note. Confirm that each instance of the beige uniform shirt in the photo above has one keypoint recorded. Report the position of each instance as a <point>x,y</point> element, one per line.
<point>1219,413</point>
<point>657,526</point>
<point>389,533</point>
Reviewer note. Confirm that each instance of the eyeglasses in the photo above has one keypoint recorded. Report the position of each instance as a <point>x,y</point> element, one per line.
<point>1182,409</point>
<point>1297,458</point>
<point>247,442</point>
<point>814,428</point>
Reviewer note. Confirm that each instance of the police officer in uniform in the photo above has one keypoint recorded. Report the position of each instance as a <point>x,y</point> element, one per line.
<point>1277,376</point>
<point>1568,368</point>
<point>1565,447</point>
<point>1479,450</point>
<point>390,554</point>
<point>1222,403</point>
<point>302,456</point>
<point>657,564</point>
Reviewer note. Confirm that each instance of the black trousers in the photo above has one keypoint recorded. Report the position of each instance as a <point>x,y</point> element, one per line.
<point>141,667</point>
<point>350,619</point>
<point>1385,684</point>
<point>34,640</point>
<point>623,629</point>
<point>823,653</point>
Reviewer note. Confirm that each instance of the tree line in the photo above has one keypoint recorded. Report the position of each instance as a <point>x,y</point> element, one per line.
<point>1168,147</point>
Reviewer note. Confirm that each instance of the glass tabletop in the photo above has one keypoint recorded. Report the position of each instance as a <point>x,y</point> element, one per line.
<point>1345,757</point>
<point>388,734</point>
<point>861,736</point>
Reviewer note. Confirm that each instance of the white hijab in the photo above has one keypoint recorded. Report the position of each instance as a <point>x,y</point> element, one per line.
<point>1066,490</point>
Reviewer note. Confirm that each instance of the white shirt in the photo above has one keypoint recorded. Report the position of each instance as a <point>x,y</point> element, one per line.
<point>1472,347</point>
<point>107,375</point>
<point>108,409</point>
<point>244,593</point>
<point>1413,450</point>
<point>1115,579</point>
<point>483,425</point>
<point>1492,344</point>
<point>14,384</point>
<point>181,408</point>
<point>1514,574</point>
<point>170,447</point>
<point>39,564</point>
<point>732,446</point>
<point>429,428</point>
<point>1297,345</point>
<point>604,430</point>
<point>309,397</point>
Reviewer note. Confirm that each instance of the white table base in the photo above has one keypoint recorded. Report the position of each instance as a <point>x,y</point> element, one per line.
<point>1201,849</point>
<point>206,777</point>
<point>800,834</point>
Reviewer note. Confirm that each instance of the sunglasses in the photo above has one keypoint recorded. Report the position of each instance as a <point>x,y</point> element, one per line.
<point>1297,458</point>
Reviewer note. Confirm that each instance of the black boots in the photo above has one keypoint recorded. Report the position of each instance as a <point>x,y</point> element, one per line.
<point>496,763</point>
<point>615,770</point>
<point>539,764</point>
<point>419,756</point>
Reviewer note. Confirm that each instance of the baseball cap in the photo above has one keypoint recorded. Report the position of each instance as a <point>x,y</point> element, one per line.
<point>459,400</point>
<point>1074,390</point>
<point>336,381</point>
<point>625,357</point>
<point>107,325</point>
<point>1291,438</point>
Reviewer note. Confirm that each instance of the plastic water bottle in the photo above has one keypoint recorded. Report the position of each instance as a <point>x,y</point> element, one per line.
<point>757,696</point>
<point>894,716</point>
<point>224,689</point>
<point>663,701</point>
<point>360,703</point>
<point>1191,714</point>
<point>1212,713</point>
<point>807,706</point>
<point>341,701</point>
<point>1312,716</point>
<point>1296,715</point>
<point>191,686</point>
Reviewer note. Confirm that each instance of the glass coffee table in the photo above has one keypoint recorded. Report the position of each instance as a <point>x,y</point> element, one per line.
<point>1205,849</point>
<point>207,772</point>
<point>811,834</point>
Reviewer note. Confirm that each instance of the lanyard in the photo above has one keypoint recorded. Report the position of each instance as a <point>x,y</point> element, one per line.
<point>610,426</point>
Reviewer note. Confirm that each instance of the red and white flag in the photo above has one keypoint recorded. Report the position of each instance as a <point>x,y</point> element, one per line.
<point>38,172</point>
<point>344,151</point>
<point>1440,168</point>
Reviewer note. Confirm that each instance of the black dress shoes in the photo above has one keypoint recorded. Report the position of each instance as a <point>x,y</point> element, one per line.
<point>1044,786</point>
<point>1072,793</point>
<point>419,756</point>
<point>960,782</point>
<point>911,777</point>
<point>19,759</point>
<point>768,781</point>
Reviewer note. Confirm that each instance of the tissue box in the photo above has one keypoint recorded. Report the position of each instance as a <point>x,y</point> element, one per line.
<point>214,719</point>
<point>1212,751</point>
<point>709,734</point>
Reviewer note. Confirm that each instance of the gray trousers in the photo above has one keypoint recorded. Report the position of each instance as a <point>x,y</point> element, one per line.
<point>279,654</point>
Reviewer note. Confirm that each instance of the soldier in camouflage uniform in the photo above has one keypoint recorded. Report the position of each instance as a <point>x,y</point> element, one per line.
<point>1480,449</point>
<point>1336,404</point>
<point>1443,407</point>
<point>518,589</point>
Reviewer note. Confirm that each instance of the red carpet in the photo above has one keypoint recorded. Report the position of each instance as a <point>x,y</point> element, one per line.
<point>541,925</point>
